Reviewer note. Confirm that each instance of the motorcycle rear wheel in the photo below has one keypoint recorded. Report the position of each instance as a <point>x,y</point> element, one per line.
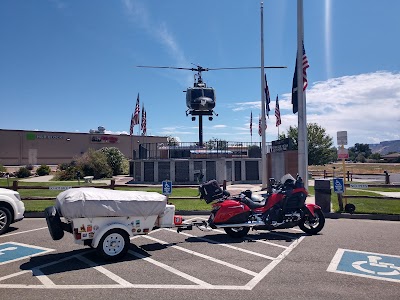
<point>313,225</point>
<point>237,232</point>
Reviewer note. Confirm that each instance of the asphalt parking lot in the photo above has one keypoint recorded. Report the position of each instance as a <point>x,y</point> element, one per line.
<point>284,264</point>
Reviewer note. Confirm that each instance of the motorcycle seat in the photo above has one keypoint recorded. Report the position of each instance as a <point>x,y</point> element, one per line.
<point>252,204</point>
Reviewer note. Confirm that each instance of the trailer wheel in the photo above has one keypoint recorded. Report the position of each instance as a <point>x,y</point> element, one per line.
<point>54,223</point>
<point>113,244</point>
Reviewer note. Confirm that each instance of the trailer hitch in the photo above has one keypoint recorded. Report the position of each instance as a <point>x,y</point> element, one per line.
<point>190,226</point>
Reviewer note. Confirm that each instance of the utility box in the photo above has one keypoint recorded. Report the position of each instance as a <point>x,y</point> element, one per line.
<point>322,189</point>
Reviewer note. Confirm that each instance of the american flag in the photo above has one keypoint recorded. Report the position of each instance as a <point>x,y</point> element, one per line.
<point>277,113</point>
<point>305,66</point>
<point>267,98</point>
<point>143,125</point>
<point>137,112</point>
<point>259,126</point>
<point>131,128</point>
<point>251,124</point>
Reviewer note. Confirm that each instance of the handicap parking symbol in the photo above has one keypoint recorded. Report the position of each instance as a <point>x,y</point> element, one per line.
<point>167,187</point>
<point>12,251</point>
<point>366,264</point>
<point>338,185</point>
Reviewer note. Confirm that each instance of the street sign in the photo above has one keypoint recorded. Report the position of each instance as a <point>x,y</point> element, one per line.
<point>60,188</point>
<point>338,185</point>
<point>366,264</point>
<point>358,185</point>
<point>167,187</point>
<point>343,153</point>
<point>342,137</point>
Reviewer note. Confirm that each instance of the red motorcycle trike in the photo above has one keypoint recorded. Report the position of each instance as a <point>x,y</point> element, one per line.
<point>283,206</point>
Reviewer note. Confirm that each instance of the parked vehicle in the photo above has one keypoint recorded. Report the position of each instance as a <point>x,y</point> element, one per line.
<point>11,208</point>
<point>282,207</point>
<point>106,219</point>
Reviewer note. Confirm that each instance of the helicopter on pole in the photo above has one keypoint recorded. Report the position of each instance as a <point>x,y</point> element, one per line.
<point>201,99</point>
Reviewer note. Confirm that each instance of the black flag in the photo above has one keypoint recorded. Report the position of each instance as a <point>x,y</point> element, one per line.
<point>294,90</point>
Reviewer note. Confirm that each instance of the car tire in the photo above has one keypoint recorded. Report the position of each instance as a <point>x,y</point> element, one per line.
<point>5,219</point>
<point>54,223</point>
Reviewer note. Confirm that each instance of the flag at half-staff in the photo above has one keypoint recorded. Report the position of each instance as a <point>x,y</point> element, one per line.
<point>305,65</point>
<point>251,124</point>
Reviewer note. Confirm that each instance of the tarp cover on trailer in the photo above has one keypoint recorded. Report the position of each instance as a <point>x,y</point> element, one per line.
<point>96,202</point>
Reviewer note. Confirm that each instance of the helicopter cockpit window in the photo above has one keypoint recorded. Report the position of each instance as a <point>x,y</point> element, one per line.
<point>209,93</point>
<point>196,93</point>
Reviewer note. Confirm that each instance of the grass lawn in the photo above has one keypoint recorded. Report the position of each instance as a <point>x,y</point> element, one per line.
<point>367,205</point>
<point>363,205</point>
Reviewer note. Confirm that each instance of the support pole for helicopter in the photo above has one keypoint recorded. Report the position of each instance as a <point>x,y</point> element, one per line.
<point>263,119</point>
<point>200,130</point>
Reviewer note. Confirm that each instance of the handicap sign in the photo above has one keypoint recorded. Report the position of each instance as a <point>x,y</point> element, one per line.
<point>338,185</point>
<point>12,251</point>
<point>167,187</point>
<point>366,264</point>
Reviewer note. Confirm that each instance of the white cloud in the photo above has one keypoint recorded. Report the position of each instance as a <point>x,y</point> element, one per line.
<point>367,106</point>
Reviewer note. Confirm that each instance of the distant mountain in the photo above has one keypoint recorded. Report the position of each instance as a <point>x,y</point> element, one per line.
<point>385,147</point>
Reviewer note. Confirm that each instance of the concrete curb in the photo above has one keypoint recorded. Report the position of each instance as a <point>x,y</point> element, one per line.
<point>327,215</point>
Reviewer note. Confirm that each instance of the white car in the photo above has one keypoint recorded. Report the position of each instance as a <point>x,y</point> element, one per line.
<point>11,208</point>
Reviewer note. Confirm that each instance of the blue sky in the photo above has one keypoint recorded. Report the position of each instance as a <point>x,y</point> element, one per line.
<point>70,65</point>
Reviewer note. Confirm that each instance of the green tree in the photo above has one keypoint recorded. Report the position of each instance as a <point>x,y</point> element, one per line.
<point>115,159</point>
<point>172,141</point>
<point>215,143</point>
<point>320,144</point>
<point>375,156</point>
<point>357,149</point>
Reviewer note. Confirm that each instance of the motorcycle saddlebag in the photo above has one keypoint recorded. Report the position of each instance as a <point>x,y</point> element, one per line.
<point>210,191</point>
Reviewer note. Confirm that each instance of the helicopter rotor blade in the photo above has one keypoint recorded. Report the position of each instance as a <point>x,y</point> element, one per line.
<point>163,67</point>
<point>237,68</point>
<point>201,69</point>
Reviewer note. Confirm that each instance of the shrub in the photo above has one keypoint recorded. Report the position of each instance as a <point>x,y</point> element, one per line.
<point>43,170</point>
<point>3,169</point>
<point>23,172</point>
<point>115,159</point>
<point>29,167</point>
<point>67,171</point>
<point>125,167</point>
<point>94,163</point>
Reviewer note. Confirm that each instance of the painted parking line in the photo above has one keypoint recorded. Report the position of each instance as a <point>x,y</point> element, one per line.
<point>224,245</point>
<point>218,261</point>
<point>197,284</point>
<point>22,232</point>
<point>366,264</point>
<point>12,251</point>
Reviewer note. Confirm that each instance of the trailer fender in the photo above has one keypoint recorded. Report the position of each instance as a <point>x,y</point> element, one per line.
<point>102,231</point>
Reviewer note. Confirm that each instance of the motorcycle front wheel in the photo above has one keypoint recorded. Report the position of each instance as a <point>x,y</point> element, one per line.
<point>313,224</point>
<point>237,232</point>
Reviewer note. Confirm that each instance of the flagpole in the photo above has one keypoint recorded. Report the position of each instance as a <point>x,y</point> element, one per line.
<point>263,119</point>
<point>302,117</point>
